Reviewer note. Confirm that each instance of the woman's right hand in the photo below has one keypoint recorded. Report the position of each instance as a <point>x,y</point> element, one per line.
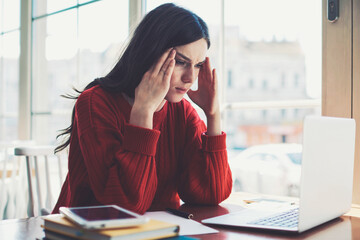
<point>151,91</point>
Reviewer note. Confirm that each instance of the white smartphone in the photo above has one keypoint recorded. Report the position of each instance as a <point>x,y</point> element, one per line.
<point>103,217</point>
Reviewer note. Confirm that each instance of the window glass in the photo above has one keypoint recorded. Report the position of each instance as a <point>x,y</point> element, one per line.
<point>295,157</point>
<point>9,68</point>
<point>54,59</point>
<point>99,44</point>
<point>85,1</point>
<point>274,56</point>
<point>42,7</point>
<point>247,127</point>
<point>1,18</point>
<point>54,67</point>
<point>9,128</point>
<point>9,85</point>
<point>273,52</point>
<point>268,168</point>
<point>46,126</point>
<point>70,49</point>
<point>265,131</point>
<point>10,53</point>
<point>9,15</point>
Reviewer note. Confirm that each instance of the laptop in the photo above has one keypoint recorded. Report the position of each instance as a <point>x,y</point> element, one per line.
<point>325,185</point>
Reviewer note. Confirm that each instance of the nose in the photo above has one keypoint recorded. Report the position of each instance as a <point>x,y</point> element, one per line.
<point>189,75</point>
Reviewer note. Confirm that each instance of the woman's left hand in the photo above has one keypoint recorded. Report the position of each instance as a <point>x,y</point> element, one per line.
<point>206,97</point>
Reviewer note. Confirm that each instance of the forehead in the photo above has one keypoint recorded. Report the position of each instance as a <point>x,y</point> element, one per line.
<point>195,51</point>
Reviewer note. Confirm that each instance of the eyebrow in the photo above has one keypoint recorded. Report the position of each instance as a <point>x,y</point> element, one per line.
<point>188,59</point>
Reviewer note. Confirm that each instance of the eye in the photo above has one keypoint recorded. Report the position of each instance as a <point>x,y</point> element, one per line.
<point>199,65</point>
<point>179,62</point>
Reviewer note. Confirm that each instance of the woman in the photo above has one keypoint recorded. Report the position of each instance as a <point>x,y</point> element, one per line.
<point>134,141</point>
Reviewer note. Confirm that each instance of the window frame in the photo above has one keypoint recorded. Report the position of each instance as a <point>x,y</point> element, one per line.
<point>341,78</point>
<point>356,97</point>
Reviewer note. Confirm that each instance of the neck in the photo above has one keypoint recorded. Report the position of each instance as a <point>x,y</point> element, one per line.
<point>161,105</point>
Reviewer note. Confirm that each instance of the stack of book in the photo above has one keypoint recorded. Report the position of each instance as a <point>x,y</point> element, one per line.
<point>57,227</point>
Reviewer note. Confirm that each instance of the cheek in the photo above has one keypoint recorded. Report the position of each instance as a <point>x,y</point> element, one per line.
<point>175,77</point>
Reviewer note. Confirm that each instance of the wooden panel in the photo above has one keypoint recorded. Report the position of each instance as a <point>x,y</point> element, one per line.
<point>336,87</point>
<point>341,72</point>
<point>356,96</point>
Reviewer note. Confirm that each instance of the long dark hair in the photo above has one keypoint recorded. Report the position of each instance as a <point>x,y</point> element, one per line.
<point>162,28</point>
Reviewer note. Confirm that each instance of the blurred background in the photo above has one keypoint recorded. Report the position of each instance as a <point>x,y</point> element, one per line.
<point>268,60</point>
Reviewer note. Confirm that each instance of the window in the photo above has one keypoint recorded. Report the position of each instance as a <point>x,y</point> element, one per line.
<point>296,80</point>
<point>265,84</point>
<point>230,79</point>
<point>9,68</point>
<point>281,61</point>
<point>283,84</point>
<point>270,68</point>
<point>341,96</point>
<point>251,83</point>
<point>73,43</point>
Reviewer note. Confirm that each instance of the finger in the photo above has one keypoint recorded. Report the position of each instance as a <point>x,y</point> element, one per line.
<point>168,61</point>
<point>168,72</point>
<point>208,62</point>
<point>162,60</point>
<point>205,73</point>
<point>214,75</point>
<point>206,67</point>
<point>192,95</point>
<point>215,79</point>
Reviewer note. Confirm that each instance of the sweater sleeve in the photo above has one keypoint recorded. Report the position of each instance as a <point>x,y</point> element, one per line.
<point>205,174</point>
<point>119,157</point>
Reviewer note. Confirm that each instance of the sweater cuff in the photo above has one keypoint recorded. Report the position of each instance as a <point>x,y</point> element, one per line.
<point>213,143</point>
<point>141,140</point>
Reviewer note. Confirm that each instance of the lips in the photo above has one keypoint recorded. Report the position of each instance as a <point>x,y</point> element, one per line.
<point>181,90</point>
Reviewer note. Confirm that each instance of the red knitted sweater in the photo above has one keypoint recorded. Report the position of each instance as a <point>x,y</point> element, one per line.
<point>140,169</point>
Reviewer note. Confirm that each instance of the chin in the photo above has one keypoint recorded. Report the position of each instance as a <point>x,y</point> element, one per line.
<point>174,99</point>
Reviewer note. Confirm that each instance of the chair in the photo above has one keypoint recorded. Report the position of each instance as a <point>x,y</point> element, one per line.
<point>12,180</point>
<point>38,167</point>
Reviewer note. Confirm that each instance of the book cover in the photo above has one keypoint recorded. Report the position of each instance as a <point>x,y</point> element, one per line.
<point>154,229</point>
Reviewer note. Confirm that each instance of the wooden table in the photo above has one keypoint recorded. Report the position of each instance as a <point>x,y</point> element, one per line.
<point>345,227</point>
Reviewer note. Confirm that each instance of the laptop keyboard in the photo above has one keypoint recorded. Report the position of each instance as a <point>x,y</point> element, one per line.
<point>284,219</point>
